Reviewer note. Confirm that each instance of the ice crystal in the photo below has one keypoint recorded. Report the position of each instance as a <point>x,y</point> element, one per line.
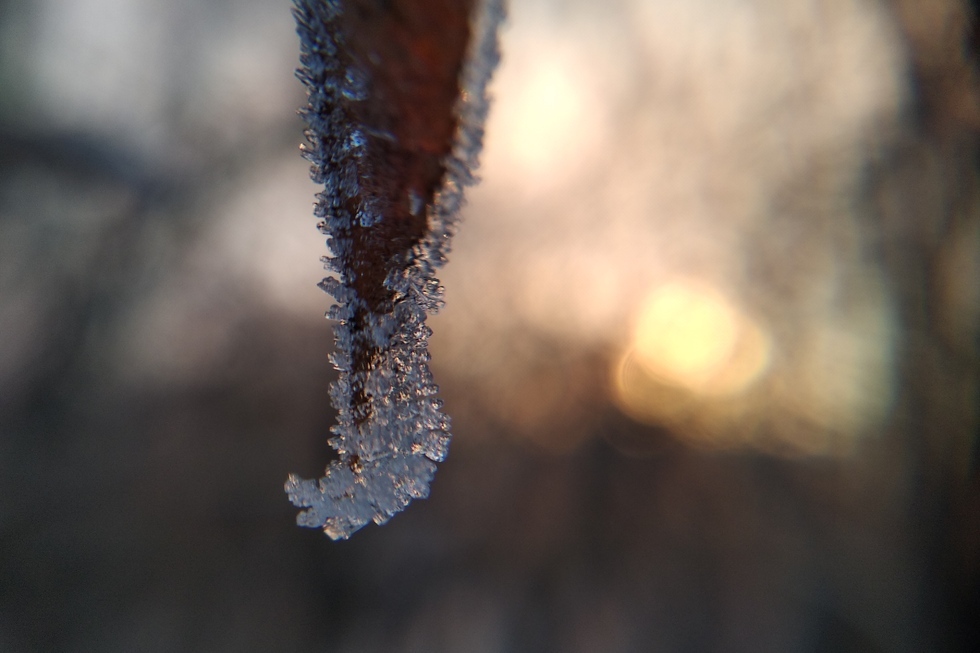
<point>397,102</point>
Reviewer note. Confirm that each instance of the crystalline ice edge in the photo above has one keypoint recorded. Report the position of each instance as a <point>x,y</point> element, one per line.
<point>390,429</point>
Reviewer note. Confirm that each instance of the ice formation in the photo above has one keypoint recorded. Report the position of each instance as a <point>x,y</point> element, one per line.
<point>397,102</point>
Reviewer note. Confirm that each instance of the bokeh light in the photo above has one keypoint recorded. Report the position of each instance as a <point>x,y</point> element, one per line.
<point>691,336</point>
<point>681,206</point>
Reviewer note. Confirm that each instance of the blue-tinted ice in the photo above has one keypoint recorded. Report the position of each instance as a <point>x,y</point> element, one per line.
<point>390,429</point>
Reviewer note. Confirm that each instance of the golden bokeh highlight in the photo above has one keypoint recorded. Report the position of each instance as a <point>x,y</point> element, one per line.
<point>699,366</point>
<point>689,335</point>
<point>685,239</point>
<point>691,358</point>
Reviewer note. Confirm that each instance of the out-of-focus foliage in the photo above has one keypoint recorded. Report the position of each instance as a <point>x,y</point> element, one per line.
<point>710,341</point>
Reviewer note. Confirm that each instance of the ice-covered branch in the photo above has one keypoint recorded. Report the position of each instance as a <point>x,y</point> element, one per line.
<point>397,102</point>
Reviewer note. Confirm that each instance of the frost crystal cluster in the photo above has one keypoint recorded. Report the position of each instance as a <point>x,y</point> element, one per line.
<point>397,102</point>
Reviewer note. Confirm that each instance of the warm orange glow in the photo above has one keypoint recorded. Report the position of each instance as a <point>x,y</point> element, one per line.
<point>635,191</point>
<point>691,356</point>
<point>698,365</point>
<point>689,335</point>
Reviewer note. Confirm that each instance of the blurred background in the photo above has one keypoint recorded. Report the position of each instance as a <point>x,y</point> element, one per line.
<point>710,343</point>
